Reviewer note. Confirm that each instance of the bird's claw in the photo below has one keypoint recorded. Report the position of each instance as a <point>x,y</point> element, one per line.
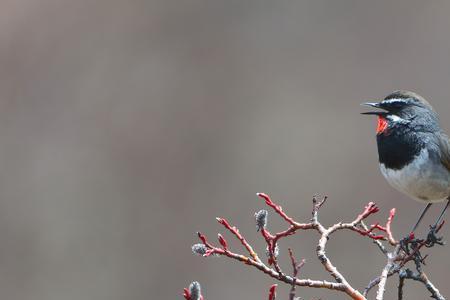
<point>410,245</point>
<point>432,239</point>
<point>406,241</point>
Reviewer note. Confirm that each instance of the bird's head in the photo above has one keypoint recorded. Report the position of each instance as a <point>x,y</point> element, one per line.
<point>403,108</point>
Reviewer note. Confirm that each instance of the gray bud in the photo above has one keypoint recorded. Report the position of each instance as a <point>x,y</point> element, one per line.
<point>276,251</point>
<point>195,290</point>
<point>199,249</point>
<point>261,219</point>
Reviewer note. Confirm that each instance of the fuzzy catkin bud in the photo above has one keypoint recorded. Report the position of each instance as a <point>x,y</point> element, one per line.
<point>261,219</point>
<point>199,249</point>
<point>195,290</point>
<point>276,251</point>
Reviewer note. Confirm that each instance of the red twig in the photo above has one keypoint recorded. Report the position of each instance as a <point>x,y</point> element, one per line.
<point>369,233</point>
<point>277,208</point>
<point>273,292</point>
<point>222,241</point>
<point>370,209</point>
<point>186,294</point>
<point>390,236</point>
<point>239,236</point>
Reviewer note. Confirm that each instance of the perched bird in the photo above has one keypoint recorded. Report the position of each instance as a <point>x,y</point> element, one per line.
<point>413,150</point>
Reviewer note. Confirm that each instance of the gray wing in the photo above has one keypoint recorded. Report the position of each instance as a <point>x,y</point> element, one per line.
<point>444,146</point>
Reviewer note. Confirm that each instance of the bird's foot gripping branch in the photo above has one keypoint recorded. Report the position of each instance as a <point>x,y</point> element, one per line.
<point>397,258</point>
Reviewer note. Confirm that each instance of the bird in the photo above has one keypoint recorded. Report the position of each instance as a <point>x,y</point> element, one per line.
<point>413,150</point>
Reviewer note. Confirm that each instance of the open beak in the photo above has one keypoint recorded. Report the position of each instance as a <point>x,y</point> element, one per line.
<point>376,105</point>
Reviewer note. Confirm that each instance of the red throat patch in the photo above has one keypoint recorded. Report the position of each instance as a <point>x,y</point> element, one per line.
<point>382,124</point>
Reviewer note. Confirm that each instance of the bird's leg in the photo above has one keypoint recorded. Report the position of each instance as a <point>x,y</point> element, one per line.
<point>404,243</point>
<point>442,213</point>
<point>422,214</point>
<point>432,239</point>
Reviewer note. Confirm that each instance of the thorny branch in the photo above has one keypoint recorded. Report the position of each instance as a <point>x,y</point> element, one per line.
<point>396,259</point>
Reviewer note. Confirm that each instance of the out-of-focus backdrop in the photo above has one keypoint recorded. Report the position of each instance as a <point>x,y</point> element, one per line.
<point>126,126</point>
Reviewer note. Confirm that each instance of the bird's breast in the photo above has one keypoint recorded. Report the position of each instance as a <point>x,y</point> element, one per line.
<point>423,178</point>
<point>398,147</point>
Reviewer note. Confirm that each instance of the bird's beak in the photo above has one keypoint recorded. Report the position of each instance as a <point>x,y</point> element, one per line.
<point>373,104</point>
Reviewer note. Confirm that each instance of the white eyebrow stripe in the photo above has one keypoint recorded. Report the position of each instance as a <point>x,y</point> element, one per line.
<point>390,101</point>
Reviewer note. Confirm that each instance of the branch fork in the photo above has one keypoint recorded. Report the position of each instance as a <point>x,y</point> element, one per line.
<point>381,235</point>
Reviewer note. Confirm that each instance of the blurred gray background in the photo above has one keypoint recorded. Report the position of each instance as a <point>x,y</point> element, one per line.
<point>126,126</point>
